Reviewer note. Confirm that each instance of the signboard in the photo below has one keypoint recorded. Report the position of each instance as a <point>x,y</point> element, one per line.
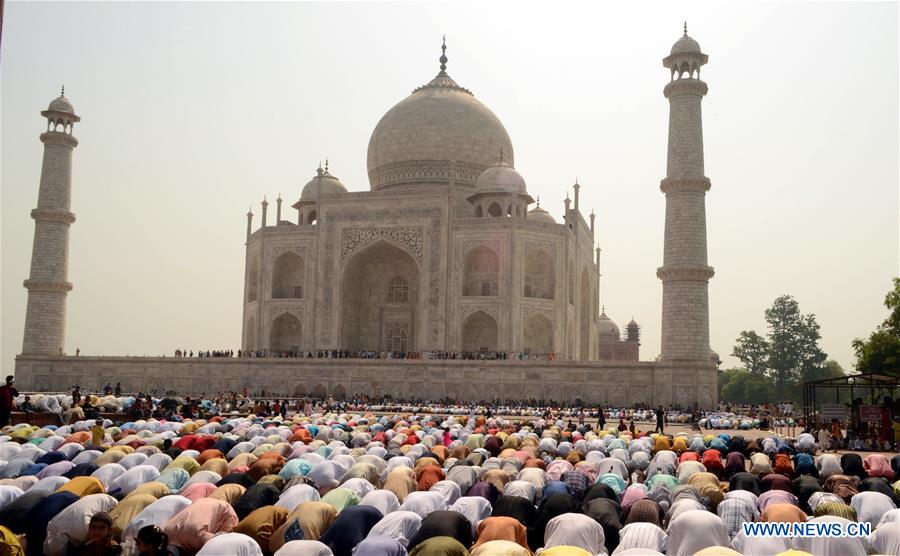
<point>834,411</point>
<point>870,413</point>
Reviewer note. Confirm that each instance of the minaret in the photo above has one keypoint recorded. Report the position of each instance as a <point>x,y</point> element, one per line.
<point>685,274</point>
<point>48,285</point>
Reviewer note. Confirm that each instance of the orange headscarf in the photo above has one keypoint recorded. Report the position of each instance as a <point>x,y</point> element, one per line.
<point>501,529</point>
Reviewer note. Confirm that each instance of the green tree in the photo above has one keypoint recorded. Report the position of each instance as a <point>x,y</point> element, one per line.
<point>753,351</point>
<point>794,353</point>
<point>880,353</point>
<point>742,386</point>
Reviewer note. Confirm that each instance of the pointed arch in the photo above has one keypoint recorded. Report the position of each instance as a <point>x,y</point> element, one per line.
<point>584,321</point>
<point>479,333</point>
<point>481,272</point>
<point>285,335</point>
<point>250,335</point>
<point>287,276</point>
<point>540,275</point>
<point>379,299</point>
<point>253,280</point>
<point>538,335</point>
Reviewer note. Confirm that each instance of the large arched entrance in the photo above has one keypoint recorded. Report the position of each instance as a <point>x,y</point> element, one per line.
<point>538,338</point>
<point>479,333</point>
<point>285,334</point>
<point>379,300</point>
<point>584,322</point>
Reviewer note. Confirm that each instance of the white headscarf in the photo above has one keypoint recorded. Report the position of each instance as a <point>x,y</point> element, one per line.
<point>233,544</point>
<point>522,489</point>
<point>475,508</point>
<point>641,536</point>
<point>156,513</point>
<point>296,495</point>
<point>8,493</point>
<point>870,506</point>
<point>886,537</point>
<point>71,524</point>
<point>304,548</point>
<point>107,473</point>
<point>382,500</point>
<point>694,530</point>
<point>828,465</point>
<point>358,485</point>
<point>423,502</point>
<point>400,526</point>
<point>831,546</point>
<point>50,484</point>
<point>759,545</point>
<point>448,489</point>
<point>575,530</point>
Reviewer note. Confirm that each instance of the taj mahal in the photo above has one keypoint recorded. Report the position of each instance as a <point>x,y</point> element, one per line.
<point>447,252</point>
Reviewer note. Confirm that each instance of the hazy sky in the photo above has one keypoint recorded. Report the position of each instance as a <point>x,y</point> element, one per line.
<point>191,112</point>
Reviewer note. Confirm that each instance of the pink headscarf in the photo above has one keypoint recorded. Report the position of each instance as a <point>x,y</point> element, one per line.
<point>197,491</point>
<point>191,528</point>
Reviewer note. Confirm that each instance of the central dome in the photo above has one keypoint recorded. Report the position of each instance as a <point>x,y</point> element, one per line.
<point>417,140</point>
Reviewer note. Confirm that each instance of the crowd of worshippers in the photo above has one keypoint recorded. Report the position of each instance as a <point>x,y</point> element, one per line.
<point>366,485</point>
<point>373,354</point>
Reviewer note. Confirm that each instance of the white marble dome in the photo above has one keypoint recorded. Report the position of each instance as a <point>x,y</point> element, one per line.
<point>685,44</point>
<point>607,328</point>
<point>501,177</point>
<point>322,184</point>
<point>537,214</point>
<point>61,104</point>
<point>417,140</point>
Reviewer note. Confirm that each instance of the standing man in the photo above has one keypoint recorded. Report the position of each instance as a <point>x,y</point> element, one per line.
<point>660,420</point>
<point>601,420</point>
<point>8,393</point>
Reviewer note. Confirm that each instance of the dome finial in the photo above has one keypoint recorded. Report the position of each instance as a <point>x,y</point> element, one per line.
<point>443,58</point>
<point>63,92</point>
<point>685,28</point>
<point>539,201</point>
<point>326,164</point>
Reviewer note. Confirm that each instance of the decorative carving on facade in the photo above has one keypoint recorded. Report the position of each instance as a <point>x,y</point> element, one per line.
<point>354,239</point>
<point>685,273</point>
<point>423,170</point>
<point>275,310</point>
<point>547,311</point>
<point>278,250</point>
<point>492,310</point>
<point>467,245</point>
<point>698,185</point>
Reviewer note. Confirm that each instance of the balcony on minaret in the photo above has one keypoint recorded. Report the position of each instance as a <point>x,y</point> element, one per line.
<point>685,59</point>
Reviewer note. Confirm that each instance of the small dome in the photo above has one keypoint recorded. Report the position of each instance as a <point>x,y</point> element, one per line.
<point>606,328</point>
<point>632,324</point>
<point>538,214</point>
<point>685,44</point>
<point>61,104</point>
<point>322,184</point>
<point>501,177</point>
